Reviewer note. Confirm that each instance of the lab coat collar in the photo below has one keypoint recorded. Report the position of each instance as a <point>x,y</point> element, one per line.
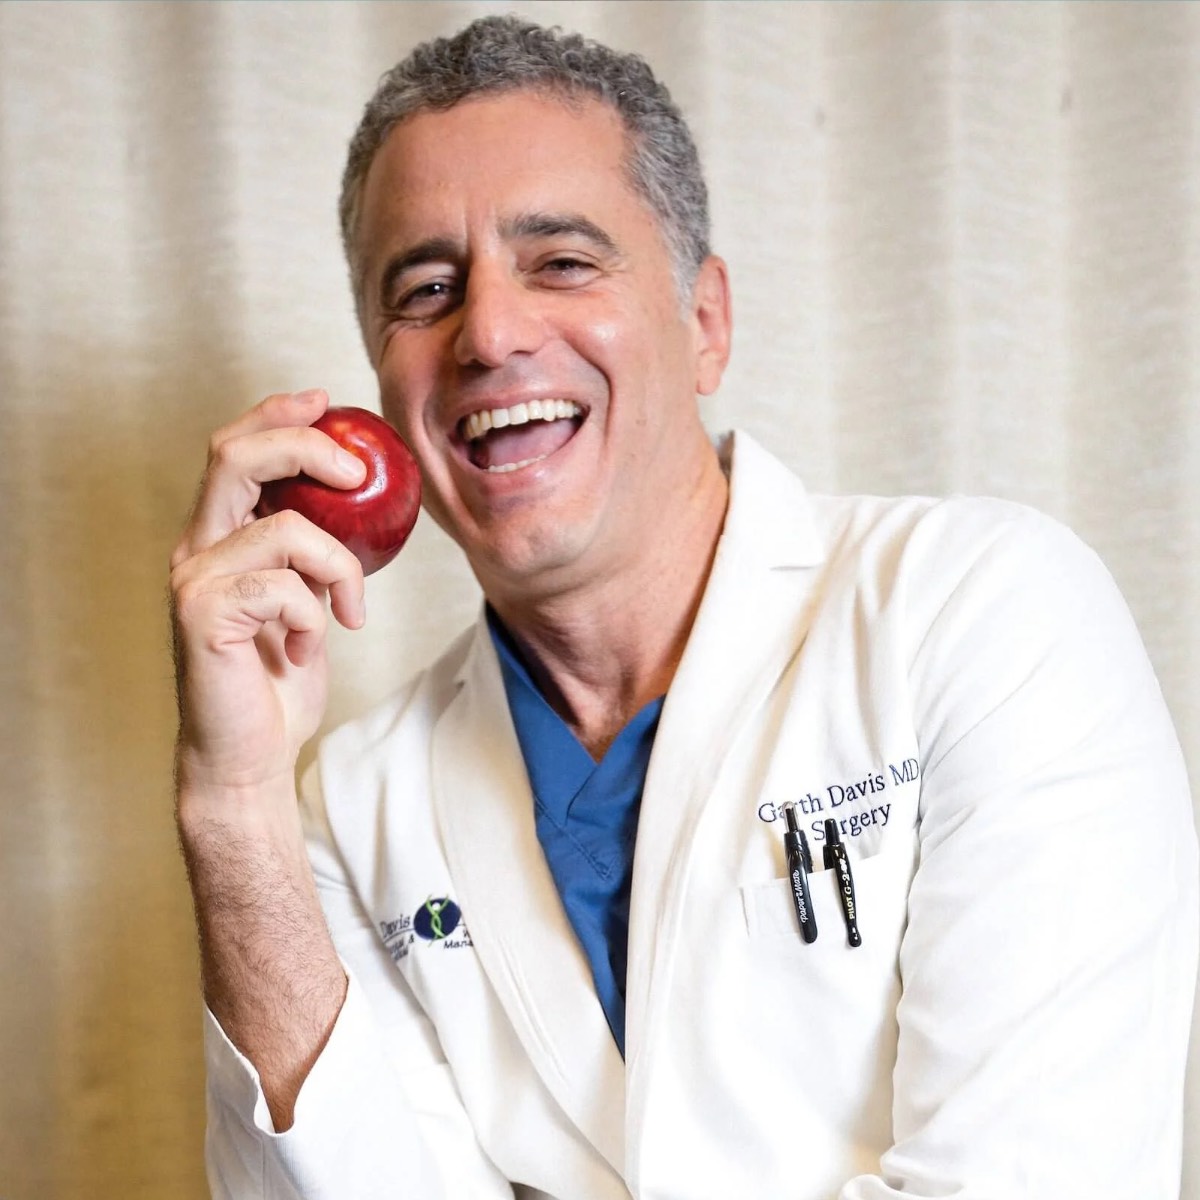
<point>520,931</point>
<point>770,516</point>
<point>752,622</point>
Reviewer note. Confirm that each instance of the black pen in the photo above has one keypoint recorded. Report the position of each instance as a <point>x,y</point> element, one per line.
<point>837,860</point>
<point>799,862</point>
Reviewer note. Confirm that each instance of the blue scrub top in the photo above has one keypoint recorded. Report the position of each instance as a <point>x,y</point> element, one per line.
<point>586,814</point>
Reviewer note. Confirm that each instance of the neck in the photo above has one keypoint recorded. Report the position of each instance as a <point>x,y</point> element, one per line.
<point>600,652</point>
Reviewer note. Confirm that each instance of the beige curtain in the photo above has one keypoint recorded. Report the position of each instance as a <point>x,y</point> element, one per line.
<point>964,246</point>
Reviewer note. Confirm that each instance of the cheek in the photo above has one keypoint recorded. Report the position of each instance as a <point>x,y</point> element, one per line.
<point>604,332</point>
<point>623,346</point>
<point>399,400</point>
<point>395,413</point>
<point>407,375</point>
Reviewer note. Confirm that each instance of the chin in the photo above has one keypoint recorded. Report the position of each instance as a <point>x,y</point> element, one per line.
<point>533,561</point>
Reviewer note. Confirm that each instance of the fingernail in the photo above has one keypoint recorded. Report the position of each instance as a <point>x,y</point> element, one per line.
<point>307,396</point>
<point>351,465</point>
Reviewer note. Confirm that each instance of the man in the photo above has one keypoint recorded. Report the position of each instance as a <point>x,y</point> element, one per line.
<point>453,976</point>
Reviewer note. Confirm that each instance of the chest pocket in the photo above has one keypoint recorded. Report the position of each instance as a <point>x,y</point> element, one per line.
<point>881,883</point>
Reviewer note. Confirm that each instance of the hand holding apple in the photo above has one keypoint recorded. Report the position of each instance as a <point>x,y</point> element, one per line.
<point>372,521</point>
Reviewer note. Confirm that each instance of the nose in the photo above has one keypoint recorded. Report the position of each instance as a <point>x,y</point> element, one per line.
<point>499,318</point>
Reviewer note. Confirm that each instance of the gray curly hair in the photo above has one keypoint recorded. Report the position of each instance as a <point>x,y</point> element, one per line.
<point>505,54</point>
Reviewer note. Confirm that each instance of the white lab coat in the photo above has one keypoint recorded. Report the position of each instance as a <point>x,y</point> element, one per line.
<point>960,685</point>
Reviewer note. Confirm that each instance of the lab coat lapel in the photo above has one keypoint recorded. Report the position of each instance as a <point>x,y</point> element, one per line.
<point>751,622</point>
<point>521,933</point>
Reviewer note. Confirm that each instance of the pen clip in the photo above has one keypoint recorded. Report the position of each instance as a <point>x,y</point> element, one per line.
<point>799,863</point>
<point>836,859</point>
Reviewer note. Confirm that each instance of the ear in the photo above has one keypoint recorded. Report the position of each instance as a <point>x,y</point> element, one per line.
<point>712,323</point>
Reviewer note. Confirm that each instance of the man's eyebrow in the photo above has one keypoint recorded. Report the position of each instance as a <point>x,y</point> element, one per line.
<point>527,225</point>
<point>436,249</point>
<point>549,224</point>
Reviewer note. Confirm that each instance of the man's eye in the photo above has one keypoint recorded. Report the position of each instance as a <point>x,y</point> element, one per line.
<point>428,300</point>
<point>566,270</point>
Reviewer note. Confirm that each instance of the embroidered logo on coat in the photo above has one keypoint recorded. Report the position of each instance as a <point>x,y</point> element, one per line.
<point>437,919</point>
<point>437,923</point>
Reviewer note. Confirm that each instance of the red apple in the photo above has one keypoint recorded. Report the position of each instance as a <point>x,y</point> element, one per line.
<point>373,520</point>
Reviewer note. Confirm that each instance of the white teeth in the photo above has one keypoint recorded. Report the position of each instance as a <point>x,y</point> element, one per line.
<point>479,423</point>
<point>525,462</point>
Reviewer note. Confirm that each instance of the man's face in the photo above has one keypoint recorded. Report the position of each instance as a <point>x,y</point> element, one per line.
<point>521,314</point>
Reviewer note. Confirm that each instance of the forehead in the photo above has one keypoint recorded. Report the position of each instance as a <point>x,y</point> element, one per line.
<point>438,173</point>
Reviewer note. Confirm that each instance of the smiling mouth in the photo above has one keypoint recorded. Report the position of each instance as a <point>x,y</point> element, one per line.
<point>507,439</point>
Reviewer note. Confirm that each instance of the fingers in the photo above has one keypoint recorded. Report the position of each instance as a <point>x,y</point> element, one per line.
<point>231,611</point>
<point>279,411</point>
<point>284,542</point>
<point>271,441</point>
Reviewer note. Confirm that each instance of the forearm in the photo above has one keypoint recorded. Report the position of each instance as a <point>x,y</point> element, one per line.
<point>270,972</point>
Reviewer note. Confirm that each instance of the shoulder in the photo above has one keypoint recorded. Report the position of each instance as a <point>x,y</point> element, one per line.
<point>911,562</point>
<point>937,526</point>
<point>924,550</point>
<point>372,774</point>
<point>940,538</point>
